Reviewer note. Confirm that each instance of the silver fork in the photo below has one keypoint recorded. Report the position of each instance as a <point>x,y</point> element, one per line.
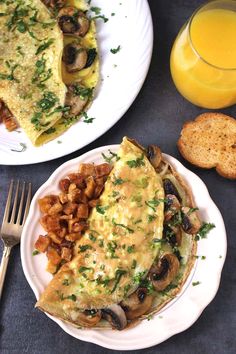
<point>11,229</point>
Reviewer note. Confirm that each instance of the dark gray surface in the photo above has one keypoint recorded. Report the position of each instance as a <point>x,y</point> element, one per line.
<point>155,117</point>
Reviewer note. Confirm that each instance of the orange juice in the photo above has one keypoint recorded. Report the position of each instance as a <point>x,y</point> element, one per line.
<point>203,58</point>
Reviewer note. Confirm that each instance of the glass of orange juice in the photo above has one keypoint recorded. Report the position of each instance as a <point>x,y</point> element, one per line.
<point>203,57</point>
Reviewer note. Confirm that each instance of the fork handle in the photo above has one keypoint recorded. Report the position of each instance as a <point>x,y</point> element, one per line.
<point>3,266</point>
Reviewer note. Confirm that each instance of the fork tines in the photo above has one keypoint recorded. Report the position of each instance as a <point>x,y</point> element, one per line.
<point>14,213</point>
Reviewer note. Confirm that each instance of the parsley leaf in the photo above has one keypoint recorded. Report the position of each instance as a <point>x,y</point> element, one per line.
<point>136,163</point>
<point>204,229</point>
<point>115,50</point>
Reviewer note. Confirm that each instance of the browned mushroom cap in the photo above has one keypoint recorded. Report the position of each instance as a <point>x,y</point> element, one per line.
<point>164,272</point>
<point>154,155</point>
<point>137,304</point>
<point>89,318</point>
<point>115,315</point>
<point>75,57</point>
<point>170,188</point>
<point>190,221</point>
<point>54,4</point>
<point>172,205</point>
<point>75,100</point>
<point>73,21</point>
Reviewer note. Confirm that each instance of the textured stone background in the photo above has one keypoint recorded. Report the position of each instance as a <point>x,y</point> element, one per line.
<point>156,117</point>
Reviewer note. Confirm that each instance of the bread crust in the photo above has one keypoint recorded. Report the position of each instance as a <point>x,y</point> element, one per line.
<point>209,141</point>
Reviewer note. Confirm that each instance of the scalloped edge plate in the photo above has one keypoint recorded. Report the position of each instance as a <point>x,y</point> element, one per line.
<point>183,310</point>
<point>122,76</point>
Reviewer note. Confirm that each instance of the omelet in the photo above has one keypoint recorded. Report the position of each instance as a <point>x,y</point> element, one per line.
<point>125,225</point>
<point>36,83</point>
<point>138,250</point>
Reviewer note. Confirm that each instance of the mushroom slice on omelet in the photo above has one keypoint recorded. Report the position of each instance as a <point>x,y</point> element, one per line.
<point>47,73</point>
<point>130,261</point>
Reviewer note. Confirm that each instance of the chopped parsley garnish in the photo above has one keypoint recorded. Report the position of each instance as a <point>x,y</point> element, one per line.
<point>95,9</point>
<point>35,252</point>
<point>154,203</point>
<point>71,297</point>
<point>151,218</point>
<point>41,74</point>
<point>100,209</point>
<point>44,46</point>
<point>204,229</point>
<point>111,248</point>
<point>19,51</point>
<point>66,282</point>
<point>136,163</point>
<point>138,277</point>
<point>115,194</point>
<point>10,76</point>
<point>195,283</point>
<point>203,257</point>
<point>104,18</point>
<point>87,119</point>
<point>191,210</point>
<point>59,109</point>
<point>84,248</point>
<point>109,159</point>
<point>131,231</point>
<point>130,249</point>
<point>48,101</point>
<point>119,274</point>
<point>83,269</point>
<point>134,264</point>
<point>36,120</point>
<point>115,50</point>
<point>83,92</point>
<point>92,238</point>
<point>118,181</point>
<point>24,147</point>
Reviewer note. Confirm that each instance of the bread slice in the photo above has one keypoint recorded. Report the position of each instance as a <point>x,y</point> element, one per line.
<point>210,141</point>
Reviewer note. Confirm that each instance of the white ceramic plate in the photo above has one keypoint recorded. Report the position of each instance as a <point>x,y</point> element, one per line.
<point>122,76</point>
<point>182,311</point>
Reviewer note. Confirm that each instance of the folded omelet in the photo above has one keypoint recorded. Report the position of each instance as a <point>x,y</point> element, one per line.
<point>125,264</point>
<point>35,82</point>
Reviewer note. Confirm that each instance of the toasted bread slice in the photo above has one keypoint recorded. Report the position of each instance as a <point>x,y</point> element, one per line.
<point>210,141</point>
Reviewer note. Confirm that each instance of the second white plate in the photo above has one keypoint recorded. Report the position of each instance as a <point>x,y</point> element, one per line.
<point>122,76</point>
<point>182,311</point>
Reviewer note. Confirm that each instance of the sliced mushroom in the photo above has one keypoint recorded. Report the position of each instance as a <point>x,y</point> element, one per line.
<point>75,101</point>
<point>75,57</point>
<point>72,21</point>
<point>154,155</point>
<point>164,272</point>
<point>190,221</point>
<point>173,235</point>
<point>87,318</point>
<point>137,304</point>
<point>115,315</point>
<point>170,188</point>
<point>172,205</point>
